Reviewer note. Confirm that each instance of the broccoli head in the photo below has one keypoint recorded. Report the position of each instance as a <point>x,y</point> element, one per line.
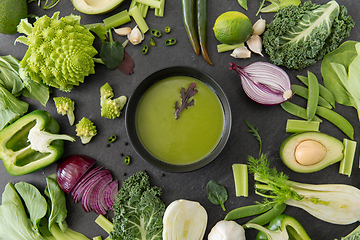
<point>86,130</point>
<point>60,52</point>
<point>110,108</point>
<point>65,106</point>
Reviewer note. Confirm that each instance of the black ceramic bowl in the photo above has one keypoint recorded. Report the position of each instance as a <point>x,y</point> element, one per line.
<point>133,103</point>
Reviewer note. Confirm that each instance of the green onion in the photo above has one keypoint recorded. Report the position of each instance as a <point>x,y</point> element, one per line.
<point>140,21</point>
<point>295,126</point>
<point>346,163</point>
<point>112,139</point>
<point>170,42</point>
<point>241,179</point>
<point>155,33</point>
<point>117,20</point>
<point>226,47</point>
<point>145,49</point>
<point>126,160</point>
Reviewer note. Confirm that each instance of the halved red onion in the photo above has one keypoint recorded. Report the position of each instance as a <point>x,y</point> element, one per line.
<point>71,169</point>
<point>264,82</point>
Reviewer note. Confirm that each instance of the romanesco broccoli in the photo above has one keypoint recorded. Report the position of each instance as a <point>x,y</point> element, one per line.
<point>110,108</point>
<point>65,105</point>
<point>60,52</point>
<point>86,130</point>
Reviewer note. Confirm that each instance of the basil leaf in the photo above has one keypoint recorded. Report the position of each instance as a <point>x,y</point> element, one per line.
<point>216,193</point>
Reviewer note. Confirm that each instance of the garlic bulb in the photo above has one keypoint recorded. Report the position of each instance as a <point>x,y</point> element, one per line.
<point>255,44</point>
<point>241,52</point>
<point>259,27</point>
<point>136,36</point>
<point>122,31</point>
<point>227,230</point>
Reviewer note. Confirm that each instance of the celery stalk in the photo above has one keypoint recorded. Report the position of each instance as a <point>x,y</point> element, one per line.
<point>159,12</point>
<point>295,126</point>
<point>225,47</point>
<point>346,163</point>
<point>117,20</point>
<point>104,223</point>
<point>150,3</point>
<point>241,179</point>
<point>140,21</point>
<point>97,238</point>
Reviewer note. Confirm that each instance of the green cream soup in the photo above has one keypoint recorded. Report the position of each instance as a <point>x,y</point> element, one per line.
<point>187,139</point>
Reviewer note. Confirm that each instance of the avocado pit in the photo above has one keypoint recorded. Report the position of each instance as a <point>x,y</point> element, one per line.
<point>309,152</point>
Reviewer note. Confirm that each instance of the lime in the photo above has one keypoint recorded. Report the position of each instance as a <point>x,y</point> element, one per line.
<point>232,27</point>
<point>11,12</point>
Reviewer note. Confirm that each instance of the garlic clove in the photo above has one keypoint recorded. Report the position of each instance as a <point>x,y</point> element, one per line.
<point>124,31</point>
<point>136,36</point>
<point>259,27</point>
<point>255,44</point>
<point>241,52</point>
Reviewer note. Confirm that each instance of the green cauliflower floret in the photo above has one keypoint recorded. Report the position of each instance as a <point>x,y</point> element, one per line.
<point>86,130</point>
<point>65,106</point>
<point>60,52</point>
<point>301,35</point>
<point>110,108</point>
<point>138,210</point>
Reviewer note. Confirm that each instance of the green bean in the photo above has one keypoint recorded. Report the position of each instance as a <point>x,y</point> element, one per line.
<point>155,33</point>
<point>297,110</point>
<point>303,92</point>
<point>337,120</point>
<point>170,41</point>
<point>247,211</point>
<point>269,215</point>
<point>313,96</point>
<point>145,49</point>
<point>323,91</point>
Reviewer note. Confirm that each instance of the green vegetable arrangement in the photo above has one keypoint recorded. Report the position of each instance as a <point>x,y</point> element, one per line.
<point>301,35</point>
<point>138,210</point>
<point>60,52</point>
<point>25,214</point>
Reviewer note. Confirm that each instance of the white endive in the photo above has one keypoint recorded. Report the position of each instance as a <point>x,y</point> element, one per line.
<point>184,220</point>
<point>227,230</point>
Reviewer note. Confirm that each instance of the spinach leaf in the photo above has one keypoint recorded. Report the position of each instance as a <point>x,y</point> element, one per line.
<point>216,193</point>
<point>112,53</point>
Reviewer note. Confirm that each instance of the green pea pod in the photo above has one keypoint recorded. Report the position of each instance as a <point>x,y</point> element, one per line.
<point>188,8</point>
<point>202,28</point>
<point>313,96</point>
<point>337,120</point>
<point>324,92</point>
<point>243,3</point>
<point>303,92</point>
<point>269,215</point>
<point>297,110</point>
<point>247,211</point>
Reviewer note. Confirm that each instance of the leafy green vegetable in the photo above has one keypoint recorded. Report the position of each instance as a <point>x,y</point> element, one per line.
<point>46,5</point>
<point>276,5</point>
<point>243,3</point>
<point>138,210</point>
<point>112,52</point>
<point>216,193</point>
<point>185,97</point>
<point>300,35</point>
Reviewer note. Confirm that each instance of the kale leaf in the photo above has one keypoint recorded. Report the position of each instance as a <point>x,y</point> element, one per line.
<point>138,210</point>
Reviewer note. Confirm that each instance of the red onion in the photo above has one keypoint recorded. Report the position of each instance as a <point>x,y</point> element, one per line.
<point>110,194</point>
<point>71,169</point>
<point>264,82</point>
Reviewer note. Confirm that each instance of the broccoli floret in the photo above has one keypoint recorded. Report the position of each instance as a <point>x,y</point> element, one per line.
<point>110,108</point>
<point>65,106</point>
<point>86,130</point>
<point>301,35</point>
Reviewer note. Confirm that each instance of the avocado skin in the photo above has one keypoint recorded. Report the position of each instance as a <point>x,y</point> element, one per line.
<point>11,12</point>
<point>333,146</point>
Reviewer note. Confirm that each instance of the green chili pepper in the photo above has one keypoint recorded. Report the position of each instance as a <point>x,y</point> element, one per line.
<point>269,215</point>
<point>170,41</point>
<point>155,33</point>
<point>188,8</point>
<point>152,42</point>
<point>297,110</point>
<point>112,139</point>
<point>247,211</point>
<point>145,49</point>
<point>287,223</point>
<point>167,29</point>
<point>202,28</point>
<point>126,160</point>
<point>313,96</point>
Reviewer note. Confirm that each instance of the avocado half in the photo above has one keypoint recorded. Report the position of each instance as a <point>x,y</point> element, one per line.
<point>333,151</point>
<point>92,7</point>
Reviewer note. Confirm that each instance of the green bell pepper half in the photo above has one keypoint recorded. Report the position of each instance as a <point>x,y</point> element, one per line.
<point>22,156</point>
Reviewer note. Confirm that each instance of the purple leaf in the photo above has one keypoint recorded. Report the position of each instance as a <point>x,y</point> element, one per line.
<point>185,97</point>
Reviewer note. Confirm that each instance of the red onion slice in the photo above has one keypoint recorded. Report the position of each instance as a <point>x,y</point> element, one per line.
<point>264,82</point>
<point>79,189</point>
<point>110,194</point>
<point>97,194</point>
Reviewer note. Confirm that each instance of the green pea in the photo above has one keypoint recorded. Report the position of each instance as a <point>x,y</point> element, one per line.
<point>313,96</point>
<point>167,29</point>
<point>303,92</point>
<point>337,120</point>
<point>269,215</point>
<point>170,42</point>
<point>247,211</point>
<point>145,49</point>
<point>155,33</point>
<point>297,110</point>
<point>127,160</point>
<point>112,139</point>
